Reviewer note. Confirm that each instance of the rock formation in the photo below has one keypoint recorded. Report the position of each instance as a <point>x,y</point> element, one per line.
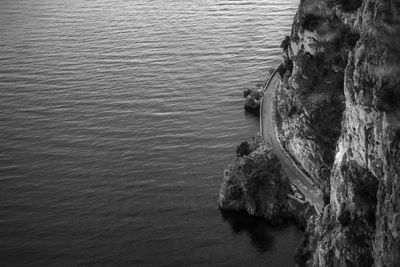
<point>252,100</point>
<point>338,115</point>
<point>315,57</point>
<point>339,108</point>
<point>256,183</point>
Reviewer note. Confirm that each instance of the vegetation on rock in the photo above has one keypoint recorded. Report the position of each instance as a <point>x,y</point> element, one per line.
<point>360,225</point>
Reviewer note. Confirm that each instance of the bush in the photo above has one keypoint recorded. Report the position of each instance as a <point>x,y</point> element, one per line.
<point>282,71</point>
<point>285,43</point>
<point>288,64</point>
<point>344,218</point>
<point>346,5</point>
<point>351,38</point>
<point>243,149</point>
<point>390,98</point>
<point>350,5</point>
<point>311,22</point>
<point>247,92</point>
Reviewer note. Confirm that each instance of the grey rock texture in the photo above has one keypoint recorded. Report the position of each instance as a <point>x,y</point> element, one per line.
<point>256,183</point>
<point>252,100</point>
<point>361,222</point>
<point>338,114</point>
<point>310,101</point>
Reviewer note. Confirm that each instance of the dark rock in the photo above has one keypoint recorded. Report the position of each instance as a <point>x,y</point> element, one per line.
<point>252,100</point>
<point>285,43</point>
<point>256,184</point>
<point>311,93</point>
<point>247,92</point>
<point>243,149</point>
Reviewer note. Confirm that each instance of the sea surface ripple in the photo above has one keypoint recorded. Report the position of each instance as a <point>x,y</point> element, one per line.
<point>117,119</point>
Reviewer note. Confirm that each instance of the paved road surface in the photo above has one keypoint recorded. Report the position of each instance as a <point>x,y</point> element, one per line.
<point>268,132</point>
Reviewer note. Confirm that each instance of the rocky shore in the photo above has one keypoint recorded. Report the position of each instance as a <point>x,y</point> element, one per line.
<point>256,183</point>
<point>338,109</point>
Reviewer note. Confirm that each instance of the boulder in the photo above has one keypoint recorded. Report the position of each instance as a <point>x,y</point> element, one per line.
<point>256,184</point>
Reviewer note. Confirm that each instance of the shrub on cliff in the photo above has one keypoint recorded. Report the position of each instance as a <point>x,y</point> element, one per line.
<point>243,149</point>
<point>287,67</point>
<point>351,38</point>
<point>346,5</point>
<point>389,99</point>
<point>311,22</point>
<point>252,100</point>
<point>285,43</point>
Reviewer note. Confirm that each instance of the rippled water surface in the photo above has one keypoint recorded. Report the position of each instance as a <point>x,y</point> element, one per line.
<point>117,119</point>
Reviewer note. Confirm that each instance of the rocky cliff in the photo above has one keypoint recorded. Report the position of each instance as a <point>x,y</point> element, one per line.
<point>338,115</point>
<point>311,98</point>
<point>256,183</point>
<point>339,107</point>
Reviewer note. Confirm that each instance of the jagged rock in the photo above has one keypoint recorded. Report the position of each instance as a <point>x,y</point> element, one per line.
<point>361,224</point>
<point>256,183</point>
<point>252,100</point>
<point>311,92</point>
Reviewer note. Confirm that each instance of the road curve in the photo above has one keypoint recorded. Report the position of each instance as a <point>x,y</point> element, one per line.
<point>269,133</point>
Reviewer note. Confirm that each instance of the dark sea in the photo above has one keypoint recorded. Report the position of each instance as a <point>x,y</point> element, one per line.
<point>117,119</point>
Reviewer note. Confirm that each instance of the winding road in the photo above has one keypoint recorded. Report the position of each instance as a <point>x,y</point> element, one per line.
<point>269,133</point>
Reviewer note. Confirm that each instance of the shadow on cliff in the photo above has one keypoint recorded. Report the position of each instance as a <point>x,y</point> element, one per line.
<point>256,228</point>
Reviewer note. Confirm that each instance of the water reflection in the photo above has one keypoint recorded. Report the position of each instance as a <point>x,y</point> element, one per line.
<point>256,228</point>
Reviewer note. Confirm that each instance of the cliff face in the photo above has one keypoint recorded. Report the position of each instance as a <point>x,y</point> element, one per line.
<point>361,224</point>
<point>311,98</point>
<point>338,115</point>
